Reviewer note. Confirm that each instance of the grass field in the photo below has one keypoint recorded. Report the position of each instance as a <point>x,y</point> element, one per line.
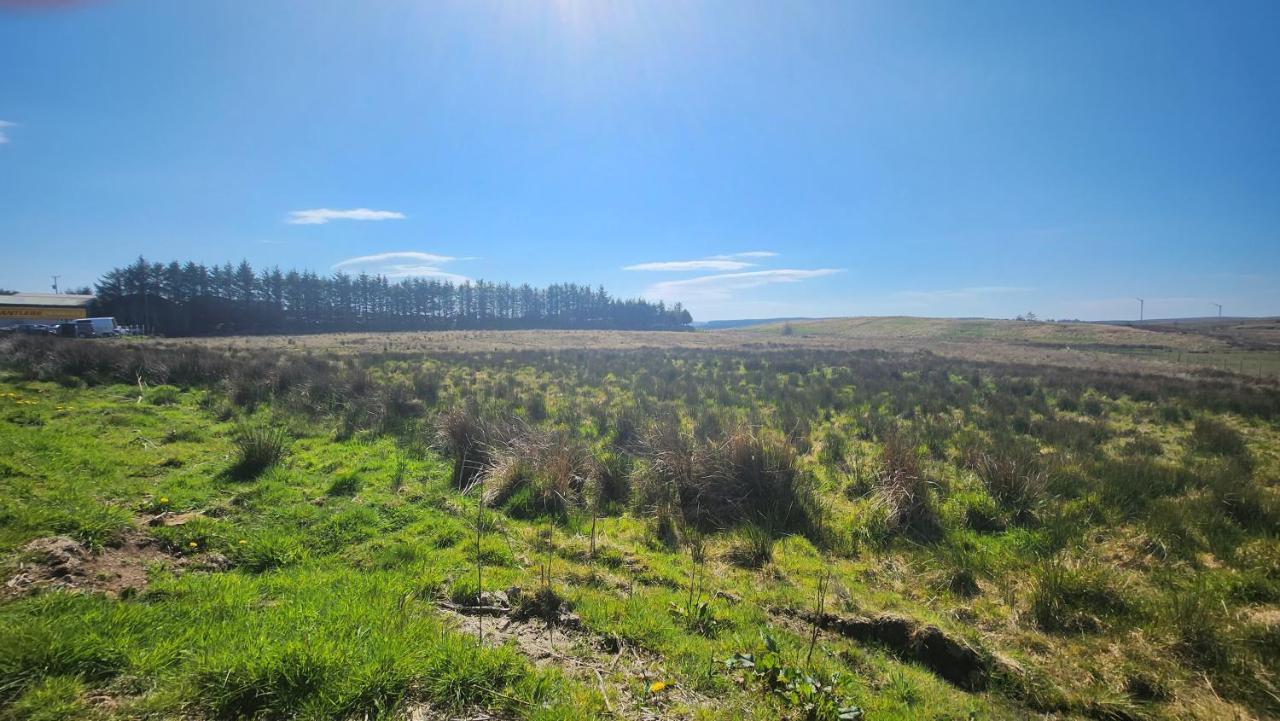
<point>1149,352</point>
<point>553,525</point>
<point>1248,347</point>
<point>1049,334</point>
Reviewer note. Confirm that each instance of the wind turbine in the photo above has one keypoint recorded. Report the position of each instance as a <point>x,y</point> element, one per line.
<point>1219,308</point>
<point>1142,309</point>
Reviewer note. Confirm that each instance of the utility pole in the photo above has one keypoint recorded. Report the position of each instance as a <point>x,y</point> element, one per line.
<point>55,283</point>
<point>1219,308</point>
<point>1142,309</point>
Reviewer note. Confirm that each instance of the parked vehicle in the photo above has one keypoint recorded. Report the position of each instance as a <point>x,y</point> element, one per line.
<point>27,329</point>
<point>95,328</point>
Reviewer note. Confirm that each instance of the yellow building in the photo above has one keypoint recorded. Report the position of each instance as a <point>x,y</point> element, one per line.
<point>42,307</point>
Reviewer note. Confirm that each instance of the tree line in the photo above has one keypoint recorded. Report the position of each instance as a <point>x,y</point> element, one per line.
<point>194,299</point>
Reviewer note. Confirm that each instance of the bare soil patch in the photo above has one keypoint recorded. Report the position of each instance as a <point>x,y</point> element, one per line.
<point>61,562</point>
<point>622,672</point>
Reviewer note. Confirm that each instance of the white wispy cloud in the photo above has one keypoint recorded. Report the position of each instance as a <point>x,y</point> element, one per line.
<point>750,254</point>
<point>679,265</point>
<point>397,256</point>
<point>723,285</point>
<point>320,216</point>
<point>725,262</point>
<point>4,137</point>
<point>404,264</point>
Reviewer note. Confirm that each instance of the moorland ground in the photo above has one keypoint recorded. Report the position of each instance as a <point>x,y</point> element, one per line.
<point>1248,346</point>
<point>1242,347</point>
<point>804,522</point>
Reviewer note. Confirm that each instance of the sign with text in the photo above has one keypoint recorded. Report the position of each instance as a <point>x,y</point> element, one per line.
<point>42,313</point>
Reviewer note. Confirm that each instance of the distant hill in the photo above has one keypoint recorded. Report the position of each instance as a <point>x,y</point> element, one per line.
<point>1251,333</point>
<point>743,323</point>
<point>1197,320</point>
<point>1059,334</point>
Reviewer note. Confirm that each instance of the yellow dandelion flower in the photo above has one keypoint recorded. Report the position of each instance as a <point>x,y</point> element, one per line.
<point>193,544</point>
<point>657,686</point>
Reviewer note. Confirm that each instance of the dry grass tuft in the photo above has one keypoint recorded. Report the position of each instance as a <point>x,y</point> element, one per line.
<point>467,437</point>
<point>535,473</point>
<point>748,476</point>
<point>1018,486</point>
<point>906,492</point>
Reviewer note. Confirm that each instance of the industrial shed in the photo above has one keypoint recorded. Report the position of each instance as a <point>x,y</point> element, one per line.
<point>42,307</point>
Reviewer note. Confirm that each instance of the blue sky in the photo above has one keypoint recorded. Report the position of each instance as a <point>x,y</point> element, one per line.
<point>751,159</point>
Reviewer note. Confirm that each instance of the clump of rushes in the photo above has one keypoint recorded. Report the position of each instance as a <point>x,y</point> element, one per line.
<point>753,474</point>
<point>963,564</point>
<point>609,486</point>
<point>466,438</point>
<point>833,449</point>
<point>258,447</point>
<point>1198,620</point>
<point>749,474</point>
<point>1242,499</point>
<point>1210,435</point>
<point>536,473</point>
<point>1017,485</point>
<point>753,547</point>
<point>1077,597</point>
<point>663,527</point>
<point>906,492</point>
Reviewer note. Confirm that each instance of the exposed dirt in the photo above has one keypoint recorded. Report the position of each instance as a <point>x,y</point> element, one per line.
<point>550,634</point>
<point>425,712</point>
<point>951,659</point>
<point>1266,617</point>
<point>169,518</point>
<point>60,562</point>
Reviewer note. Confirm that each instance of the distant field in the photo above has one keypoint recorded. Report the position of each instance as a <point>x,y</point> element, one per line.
<point>1009,331</point>
<point>1263,363</point>
<point>1076,345</point>
<point>1245,333</point>
<point>1240,346</point>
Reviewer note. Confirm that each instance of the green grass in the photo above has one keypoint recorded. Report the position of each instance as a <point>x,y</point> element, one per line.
<point>317,644</point>
<point>303,628</point>
<point>1094,565</point>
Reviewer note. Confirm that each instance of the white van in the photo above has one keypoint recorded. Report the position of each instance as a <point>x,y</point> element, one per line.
<point>96,327</point>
